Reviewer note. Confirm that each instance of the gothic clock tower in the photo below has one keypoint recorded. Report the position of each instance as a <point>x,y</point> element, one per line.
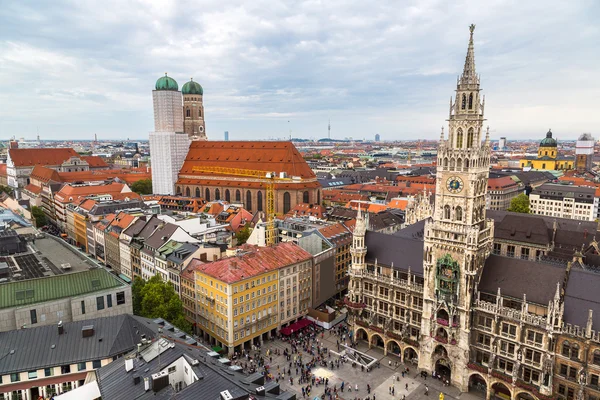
<point>458,238</point>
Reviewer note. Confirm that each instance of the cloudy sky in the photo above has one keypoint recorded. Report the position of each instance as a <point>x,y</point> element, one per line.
<point>75,68</point>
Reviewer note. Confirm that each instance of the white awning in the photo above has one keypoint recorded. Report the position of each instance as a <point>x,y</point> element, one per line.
<point>89,391</point>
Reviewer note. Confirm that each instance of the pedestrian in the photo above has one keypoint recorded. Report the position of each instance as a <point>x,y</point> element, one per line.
<point>356,387</point>
<point>407,387</point>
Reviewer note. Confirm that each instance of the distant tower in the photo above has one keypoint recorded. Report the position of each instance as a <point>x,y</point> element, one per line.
<point>329,130</point>
<point>502,143</point>
<point>226,136</point>
<point>168,143</point>
<point>193,110</point>
<point>584,152</point>
<point>95,137</point>
<point>377,137</point>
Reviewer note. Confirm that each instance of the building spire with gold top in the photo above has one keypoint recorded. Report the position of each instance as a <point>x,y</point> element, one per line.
<point>469,76</point>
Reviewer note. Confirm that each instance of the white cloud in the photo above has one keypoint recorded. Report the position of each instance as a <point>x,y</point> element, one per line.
<point>83,67</point>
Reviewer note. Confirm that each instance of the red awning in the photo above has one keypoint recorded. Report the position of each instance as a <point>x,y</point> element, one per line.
<point>295,327</point>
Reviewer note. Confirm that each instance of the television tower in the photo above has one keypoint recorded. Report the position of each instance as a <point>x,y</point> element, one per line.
<point>329,130</point>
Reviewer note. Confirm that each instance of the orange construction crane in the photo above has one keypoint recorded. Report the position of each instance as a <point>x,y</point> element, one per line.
<point>268,178</point>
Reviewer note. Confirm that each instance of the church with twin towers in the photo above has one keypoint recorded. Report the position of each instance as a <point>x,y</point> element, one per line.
<point>490,301</point>
<point>178,120</point>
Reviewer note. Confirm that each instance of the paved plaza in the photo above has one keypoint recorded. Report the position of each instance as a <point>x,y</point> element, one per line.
<point>380,378</point>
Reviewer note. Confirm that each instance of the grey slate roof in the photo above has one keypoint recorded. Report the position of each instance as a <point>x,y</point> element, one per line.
<point>213,378</point>
<point>582,294</point>
<point>516,277</point>
<point>402,252</point>
<point>33,346</point>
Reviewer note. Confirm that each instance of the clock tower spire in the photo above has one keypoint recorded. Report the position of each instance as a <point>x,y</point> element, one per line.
<point>458,237</point>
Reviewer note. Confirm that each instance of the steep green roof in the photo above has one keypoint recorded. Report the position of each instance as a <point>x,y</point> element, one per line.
<point>166,83</point>
<point>32,291</point>
<point>548,141</point>
<point>192,87</point>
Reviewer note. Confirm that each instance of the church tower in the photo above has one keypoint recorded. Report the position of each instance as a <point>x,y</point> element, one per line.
<point>458,238</point>
<point>193,110</point>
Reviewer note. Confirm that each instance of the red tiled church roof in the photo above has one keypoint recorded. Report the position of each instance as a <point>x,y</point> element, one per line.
<point>31,157</point>
<point>268,156</point>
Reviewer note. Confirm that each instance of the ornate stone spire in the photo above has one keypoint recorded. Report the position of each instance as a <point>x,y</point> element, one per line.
<point>469,75</point>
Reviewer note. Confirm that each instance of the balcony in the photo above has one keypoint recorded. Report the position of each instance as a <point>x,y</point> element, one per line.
<point>355,306</point>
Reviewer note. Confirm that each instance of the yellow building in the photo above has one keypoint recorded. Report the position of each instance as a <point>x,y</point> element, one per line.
<point>236,297</point>
<point>548,157</point>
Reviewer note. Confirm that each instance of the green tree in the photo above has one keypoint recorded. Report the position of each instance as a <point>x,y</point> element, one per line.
<point>143,186</point>
<point>242,235</point>
<point>520,204</point>
<point>136,293</point>
<point>157,299</point>
<point>7,189</point>
<point>38,216</point>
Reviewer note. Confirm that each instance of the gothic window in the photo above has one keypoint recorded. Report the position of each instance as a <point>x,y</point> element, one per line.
<point>470,134</point>
<point>464,101</point>
<point>238,196</point>
<point>187,113</point>
<point>467,163</point>
<point>446,212</point>
<point>459,164</point>
<point>318,197</point>
<point>187,192</point>
<point>217,194</point>
<point>197,192</point>
<point>286,202</point>
<point>445,162</point>
<point>207,194</point>
<point>259,201</point>
<point>179,190</point>
<point>471,101</point>
<point>249,200</point>
<point>452,164</point>
<point>305,198</point>
<point>200,113</point>
<point>458,213</point>
<point>227,196</point>
<point>459,138</point>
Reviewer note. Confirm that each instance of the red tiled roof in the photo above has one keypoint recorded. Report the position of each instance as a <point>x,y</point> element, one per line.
<point>33,188</point>
<point>44,174</point>
<point>398,203</point>
<point>313,210</point>
<point>501,183</point>
<point>31,157</point>
<point>2,169</point>
<point>69,191</point>
<point>335,230</point>
<point>253,261</point>
<point>268,156</point>
<point>95,161</point>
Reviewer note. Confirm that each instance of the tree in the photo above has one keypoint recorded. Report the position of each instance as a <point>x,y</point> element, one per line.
<point>39,216</point>
<point>242,236</point>
<point>520,204</point>
<point>156,298</point>
<point>7,189</point>
<point>136,293</point>
<point>143,186</point>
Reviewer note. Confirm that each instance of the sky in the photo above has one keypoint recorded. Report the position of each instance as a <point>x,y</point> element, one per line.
<point>72,69</point>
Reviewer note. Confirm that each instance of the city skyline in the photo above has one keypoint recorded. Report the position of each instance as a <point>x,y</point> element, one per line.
<point>266,64</point>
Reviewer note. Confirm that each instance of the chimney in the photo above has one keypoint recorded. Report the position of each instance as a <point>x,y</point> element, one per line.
<point>14,144</point>
<point>129,365</point>
<point>146,384</point>
<point>61,330</point>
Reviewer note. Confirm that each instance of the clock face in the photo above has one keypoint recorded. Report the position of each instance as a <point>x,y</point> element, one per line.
<point>454,184</point>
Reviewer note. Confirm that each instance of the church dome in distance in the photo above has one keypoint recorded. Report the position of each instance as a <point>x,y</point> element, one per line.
<point>548,141</point>
<point>192,87</point>
<point>166,83</point>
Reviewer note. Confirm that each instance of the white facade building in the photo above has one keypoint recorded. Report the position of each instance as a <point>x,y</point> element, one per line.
<point>168,143</point>
<point>564,201</point>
